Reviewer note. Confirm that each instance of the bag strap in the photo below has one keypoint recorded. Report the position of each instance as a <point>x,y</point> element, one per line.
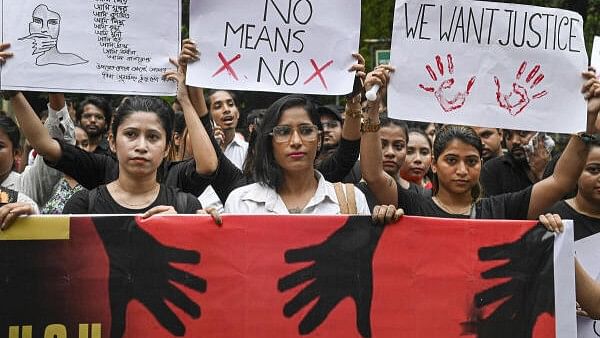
<point>352,209</point>
<point>341,197</point>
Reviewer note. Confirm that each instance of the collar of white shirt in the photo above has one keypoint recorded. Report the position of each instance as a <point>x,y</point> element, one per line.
<point>325,194</point>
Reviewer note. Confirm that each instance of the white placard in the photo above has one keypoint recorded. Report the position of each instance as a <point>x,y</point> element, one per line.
<point>564,282</point>
<point>588,254</point>
<point>488,64</point>
<point>595,59</point>
<point>90,46</point>
<point>289,46</point>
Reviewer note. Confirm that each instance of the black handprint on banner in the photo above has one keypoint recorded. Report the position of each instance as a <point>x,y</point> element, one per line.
<point>528,294</point>
<point>342,267</point>
<point>519,98</point>
<point>141,269</point>
<point>440,92</point>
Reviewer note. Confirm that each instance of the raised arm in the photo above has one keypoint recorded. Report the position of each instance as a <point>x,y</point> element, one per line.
<point>204,154</point>
<point>569,166</point>
<point>383,186</point>
<point>337,166</point>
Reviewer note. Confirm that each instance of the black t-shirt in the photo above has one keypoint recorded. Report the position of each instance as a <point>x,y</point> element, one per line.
<point>584,226</point>
<point>372,200</point>
<point>504,174</point>
<point>105,204</point>
<point>505,206</point>
<point>92,170</point>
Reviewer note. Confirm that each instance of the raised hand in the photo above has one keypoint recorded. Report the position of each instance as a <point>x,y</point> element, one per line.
<point>342,267</point>
<point>3,52</point>
<point>591,92</point>
<point>459,99</point>
<point>529,292</point>
<point>141,269</point>
<point>521,94</point>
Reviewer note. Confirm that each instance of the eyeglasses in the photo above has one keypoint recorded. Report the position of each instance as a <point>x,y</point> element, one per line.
<point>330,124</point>
<point>282,134</point>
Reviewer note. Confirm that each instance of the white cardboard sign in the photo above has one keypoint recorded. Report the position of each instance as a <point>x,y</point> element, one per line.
<point>488,64</point>
<point>290,46</point>
<point>595,59</point>
<point>588,254</point>
<point>90,46</point>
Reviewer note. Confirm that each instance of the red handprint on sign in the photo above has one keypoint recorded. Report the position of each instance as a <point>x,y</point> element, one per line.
<point>440,93</point>
<point>533,79</point>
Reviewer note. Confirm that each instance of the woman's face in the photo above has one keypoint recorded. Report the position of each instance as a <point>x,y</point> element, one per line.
<point>458,167</point>
<point>140,143</point>
<point>418,158</point>
<point>81,139</point>
<point>589,181</point>
<point>393,148</point>
<point>295,141</point>
<point>7,156</point>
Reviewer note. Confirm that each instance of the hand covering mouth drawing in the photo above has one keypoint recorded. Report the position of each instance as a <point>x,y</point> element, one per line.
<point>44,30</point>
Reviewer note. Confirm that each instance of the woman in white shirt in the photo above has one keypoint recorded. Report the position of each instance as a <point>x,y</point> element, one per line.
<point>288,140</point>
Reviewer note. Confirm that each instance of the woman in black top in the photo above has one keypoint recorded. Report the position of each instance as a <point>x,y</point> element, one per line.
<point>457,166</point>
<point>584,208</point>
<point>141,138</point>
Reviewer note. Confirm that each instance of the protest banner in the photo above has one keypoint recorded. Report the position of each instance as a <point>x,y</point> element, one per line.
<point>261,276</point>
<point>288,46</point>
<point>90,46</point>
<point>488,64</point>
<point>589,256</point>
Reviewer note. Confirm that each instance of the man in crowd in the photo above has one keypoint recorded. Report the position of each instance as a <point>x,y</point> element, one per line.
<point>491,139</point>
<point>94,116</point>
<point>224,111</point>
<point>331,119</point>
<point>516,170</point>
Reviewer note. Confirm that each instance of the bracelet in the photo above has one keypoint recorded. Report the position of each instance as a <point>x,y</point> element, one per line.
<point>586,138</point>
<point>369,127</point>
<point>353,113</point>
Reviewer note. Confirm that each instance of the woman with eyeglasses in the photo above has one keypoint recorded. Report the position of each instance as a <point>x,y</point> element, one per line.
<point>288,141</point>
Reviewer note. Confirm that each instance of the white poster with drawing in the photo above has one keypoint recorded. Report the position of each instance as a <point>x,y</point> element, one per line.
<point>289,46</point>
<point>488,64</point>
<point>90,46</point>
<point>588,253</point>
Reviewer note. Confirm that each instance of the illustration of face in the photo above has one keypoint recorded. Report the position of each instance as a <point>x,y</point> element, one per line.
<point>45,22</point>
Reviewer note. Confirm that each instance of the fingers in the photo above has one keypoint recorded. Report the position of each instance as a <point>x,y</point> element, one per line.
<point>10,212</point>
<point>187,279</point>
<point>552,222</point>
<point>317,314</point>
<point>494,294</point>
<point>296,278</point>
<point>160,210</point>
<point>385,214</point>
<point>3,54</point>
<point>182,301</point>
<point>165,316</point>
<point>303,298</point>
<point>189,52</point>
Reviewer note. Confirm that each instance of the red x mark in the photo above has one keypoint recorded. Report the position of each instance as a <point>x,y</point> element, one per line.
<point>318,72</point>
<point>227,65</point>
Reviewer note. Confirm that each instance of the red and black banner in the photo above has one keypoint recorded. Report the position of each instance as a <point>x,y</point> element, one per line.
<point>277,276</point>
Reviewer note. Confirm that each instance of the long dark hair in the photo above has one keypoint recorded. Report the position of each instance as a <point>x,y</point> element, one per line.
<point>265,168</point>
<point>448,134</point>
<point>10,128</point>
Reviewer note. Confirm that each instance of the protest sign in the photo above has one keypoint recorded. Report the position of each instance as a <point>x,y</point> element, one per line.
<point>488,64</point>
<point>289,46</point>
<point>260,276</point>
<point>90,46</point>
<point>589,257</point>
<point>595,59</point>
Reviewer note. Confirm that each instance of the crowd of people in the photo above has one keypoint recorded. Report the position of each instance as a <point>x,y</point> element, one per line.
<point>147,157</point>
